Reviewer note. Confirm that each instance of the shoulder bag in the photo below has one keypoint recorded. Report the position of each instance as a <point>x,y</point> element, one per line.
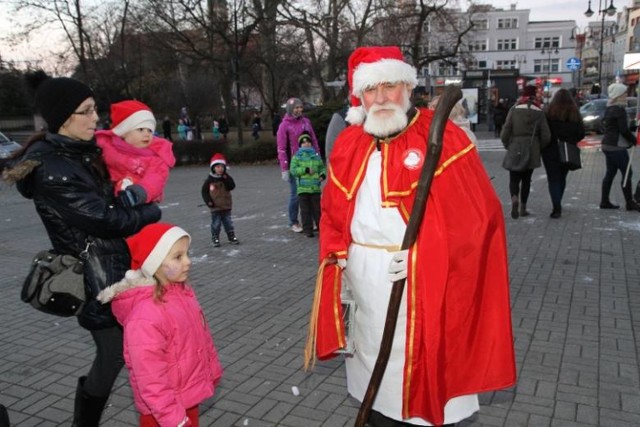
<point>569,155</point>
<point>55,283</point>
<point>519,153</point>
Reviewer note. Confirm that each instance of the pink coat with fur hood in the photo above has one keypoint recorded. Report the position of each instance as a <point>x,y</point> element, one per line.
<point>172,361</point>
<point>147,167</point>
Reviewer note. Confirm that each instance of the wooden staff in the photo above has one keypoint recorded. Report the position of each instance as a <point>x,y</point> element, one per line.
<point>448,99</point>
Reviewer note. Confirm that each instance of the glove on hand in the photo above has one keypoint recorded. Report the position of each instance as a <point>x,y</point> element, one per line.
<point>342,263</point>
<point>134,195</point>
<point>285,176</point>
<point>398,266</point>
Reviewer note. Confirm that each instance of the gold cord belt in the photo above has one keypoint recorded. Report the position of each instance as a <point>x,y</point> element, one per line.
<point>388,248</point>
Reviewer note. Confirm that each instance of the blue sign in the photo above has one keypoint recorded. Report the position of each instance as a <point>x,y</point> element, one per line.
<point>573,63</point>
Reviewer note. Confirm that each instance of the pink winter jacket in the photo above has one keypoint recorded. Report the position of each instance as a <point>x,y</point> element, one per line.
<point>287,138</point>
<point>147,167</point>
<point>172,361</point>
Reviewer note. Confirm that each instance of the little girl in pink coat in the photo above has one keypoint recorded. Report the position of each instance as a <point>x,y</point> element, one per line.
<point>137,160</point>
<point>172,361</point>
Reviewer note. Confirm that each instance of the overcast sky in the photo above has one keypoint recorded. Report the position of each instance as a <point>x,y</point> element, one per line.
<point>541,10</point>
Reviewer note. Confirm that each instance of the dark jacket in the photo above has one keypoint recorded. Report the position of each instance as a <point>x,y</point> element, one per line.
<point>615,125</point>
<point>216,192</point>
<point>522,121</point>
<point>571,132</point>
<point>73,196</point>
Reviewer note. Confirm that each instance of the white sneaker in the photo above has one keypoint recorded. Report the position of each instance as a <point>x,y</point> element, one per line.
<point>296,228</point>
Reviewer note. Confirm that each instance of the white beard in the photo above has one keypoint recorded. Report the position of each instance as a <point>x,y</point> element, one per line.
<point>384,126</point>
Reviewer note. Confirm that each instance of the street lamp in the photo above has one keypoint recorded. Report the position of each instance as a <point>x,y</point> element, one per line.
<point>548,50</point>
<point>580,38</point>
<point>520,59</point>
<point>610,11</point>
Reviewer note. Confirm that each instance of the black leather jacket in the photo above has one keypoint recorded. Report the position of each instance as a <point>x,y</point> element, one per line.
<point>72,194</point>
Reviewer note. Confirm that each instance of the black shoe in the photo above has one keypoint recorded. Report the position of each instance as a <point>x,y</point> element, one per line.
<point>234,240</point>
<point>608,205</point>
<point>515,207</point>
<point>216,242</point>
<point>311,234</point>
<point>4,417</point>
<point>87,409</point>
<point>633,206</point>
<point>555,214</point>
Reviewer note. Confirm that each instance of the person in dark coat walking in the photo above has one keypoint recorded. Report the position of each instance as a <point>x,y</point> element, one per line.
<point>166,128</point>
<point>499,117</point>
<point>566,125</point>
<point>62,171</point>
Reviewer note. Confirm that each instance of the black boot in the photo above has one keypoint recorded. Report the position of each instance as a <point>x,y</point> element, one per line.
<point>631,204</point>
<point>216,241</point>
<point>87,409</point>
<point>556,213</point>
<point>232,238</point>
<point>515,207</point>
<point>523,209</point>
<point>4,417</point>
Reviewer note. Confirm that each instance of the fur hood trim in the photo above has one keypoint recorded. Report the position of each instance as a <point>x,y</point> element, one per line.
<point>20,171</point>
<point>132,279</point>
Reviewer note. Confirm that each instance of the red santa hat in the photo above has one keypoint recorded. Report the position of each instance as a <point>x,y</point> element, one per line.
<point>370,66</point>
<point>217,159</point>
<point>129,115</point>
<point>151,245</point>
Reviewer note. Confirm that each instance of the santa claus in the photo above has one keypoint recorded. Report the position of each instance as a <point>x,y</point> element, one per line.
<point>453,338</point>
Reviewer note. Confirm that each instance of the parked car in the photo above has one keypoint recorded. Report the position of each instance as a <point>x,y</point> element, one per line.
<point>7,147</point>
<point>593,112</point>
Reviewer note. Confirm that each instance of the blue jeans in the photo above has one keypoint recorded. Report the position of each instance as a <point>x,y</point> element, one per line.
<point>219,218</point>
<point>293,202</point>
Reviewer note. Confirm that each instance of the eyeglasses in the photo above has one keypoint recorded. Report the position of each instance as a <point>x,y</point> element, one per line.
<point>89,111</point>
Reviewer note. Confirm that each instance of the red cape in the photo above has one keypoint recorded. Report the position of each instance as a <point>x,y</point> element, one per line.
<point>458,338</point>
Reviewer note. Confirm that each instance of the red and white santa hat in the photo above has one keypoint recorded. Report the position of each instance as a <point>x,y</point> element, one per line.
<point>150,246</point>
<point>217,159</point>
<point>129,115</point>
<point>370,66</point>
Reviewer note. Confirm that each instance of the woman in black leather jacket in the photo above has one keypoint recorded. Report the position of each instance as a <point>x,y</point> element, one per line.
<point>63,173</point>
<point>615,142</point>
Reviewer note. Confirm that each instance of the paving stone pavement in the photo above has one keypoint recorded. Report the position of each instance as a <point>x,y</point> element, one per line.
<point>575,293</point>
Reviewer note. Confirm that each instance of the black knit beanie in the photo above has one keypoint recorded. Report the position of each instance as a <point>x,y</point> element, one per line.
<point>57,98</point>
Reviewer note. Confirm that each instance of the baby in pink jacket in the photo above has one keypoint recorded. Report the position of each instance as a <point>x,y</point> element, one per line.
<point>137,160</point>
<point>172,361</point>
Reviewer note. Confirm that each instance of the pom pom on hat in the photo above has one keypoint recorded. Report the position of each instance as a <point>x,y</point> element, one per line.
<point>151,245</point>
<point>129,115</point>
<point>304,137</point>
<point>370,66</point>
<point>616,90</point>
<point>57,99</point>
<point>291,104</point>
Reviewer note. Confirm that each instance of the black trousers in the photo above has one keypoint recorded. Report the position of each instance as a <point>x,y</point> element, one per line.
<point>309,211</point>
<point>515,179</point>
<point>107,364</point>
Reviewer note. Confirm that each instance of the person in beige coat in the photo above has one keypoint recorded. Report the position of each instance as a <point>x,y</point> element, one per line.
<point>526,124</point>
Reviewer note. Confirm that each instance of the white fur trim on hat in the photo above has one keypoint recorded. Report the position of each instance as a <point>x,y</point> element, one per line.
<point>369,74</point>
<point>139,119</point>
<point>161,249</point>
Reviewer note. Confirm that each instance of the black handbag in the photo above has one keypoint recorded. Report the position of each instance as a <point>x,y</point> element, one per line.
<point>55,283</point>
<point>569,155</point>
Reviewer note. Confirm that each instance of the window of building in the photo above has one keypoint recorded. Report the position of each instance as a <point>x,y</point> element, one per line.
<point>477,45</point>
<point>546,66</point>
<point>480,24</point>
<point>541,42</point>
<point>507,44</point>
<point>506,65</point>
<point>504,23</point>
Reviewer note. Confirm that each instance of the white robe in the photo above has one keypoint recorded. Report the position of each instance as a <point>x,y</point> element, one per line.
<point>366,278</point>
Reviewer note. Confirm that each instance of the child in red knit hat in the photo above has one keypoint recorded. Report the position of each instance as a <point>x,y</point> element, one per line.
<point>216,193</point>
<point>172,361</point>
<point>137,160</point>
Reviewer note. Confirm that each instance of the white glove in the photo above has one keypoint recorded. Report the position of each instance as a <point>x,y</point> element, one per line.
<point>342,263</point>
<point>398,266</point>
<point>285,176</point>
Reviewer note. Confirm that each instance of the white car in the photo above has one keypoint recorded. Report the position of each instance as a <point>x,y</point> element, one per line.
<point>7,147</point>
